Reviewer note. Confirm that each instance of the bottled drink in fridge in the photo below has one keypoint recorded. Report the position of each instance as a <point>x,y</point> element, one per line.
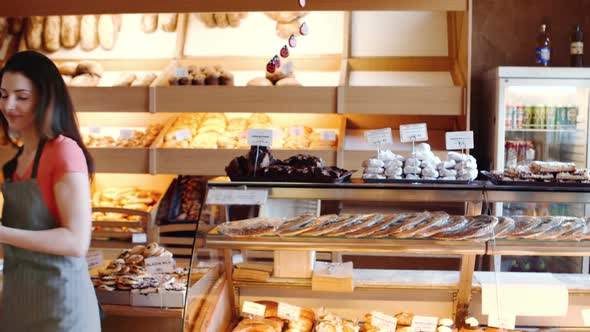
<point>577,47</point>
<point>519,117</point>
<point>572,116</point>
<point>509,117</point>
<point>539,117</point>
<point>543,46</point>
<point>551,116</point>
<point>561,116</point>
<point>528,116</point>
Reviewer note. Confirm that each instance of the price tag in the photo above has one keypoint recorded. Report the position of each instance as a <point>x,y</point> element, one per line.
<point>159,265</point>
<point>505,321</point>
<point>277,134</point>
<point>296,131</point>
<point>254,309</point>
<point>183,135</point>
<point>236,197</point>
<point>180,72</point>
<point>383,322</point>
<point>126,133</point>
<point>425,323</point>
<point>139,238</point>
<point>413,132</point>
<point>94,130</point>
<point>459,140</point>
<point>260,137</point>
<point>288,312</point>
<point>586,316</point>
<point>379,137</point>
<point>328,135</point>
<point>94,259</point>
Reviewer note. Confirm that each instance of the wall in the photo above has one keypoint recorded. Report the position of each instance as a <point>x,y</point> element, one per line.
<point>504,34</point>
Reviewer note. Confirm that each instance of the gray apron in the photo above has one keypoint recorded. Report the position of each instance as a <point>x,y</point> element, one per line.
<point>41,292</point>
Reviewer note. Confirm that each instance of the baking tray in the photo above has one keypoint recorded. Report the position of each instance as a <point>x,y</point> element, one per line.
<point>535,183</point>
<point>408,181</point>
<point>344,178</point>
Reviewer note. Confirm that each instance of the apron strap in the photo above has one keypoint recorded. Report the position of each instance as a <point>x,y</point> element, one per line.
<point>37,157</point>
<point>10,167</point>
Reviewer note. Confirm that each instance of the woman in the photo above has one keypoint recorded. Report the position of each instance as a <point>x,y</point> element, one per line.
<point>46,215</point>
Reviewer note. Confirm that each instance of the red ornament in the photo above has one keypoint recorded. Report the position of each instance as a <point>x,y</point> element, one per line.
<point>271,67</point>
<point>277,61</point>
<point>284,51</point>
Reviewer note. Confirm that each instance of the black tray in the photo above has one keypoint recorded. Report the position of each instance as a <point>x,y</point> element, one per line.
<point>344,178</point>
<point>535,183</point>
<point>418,181</point>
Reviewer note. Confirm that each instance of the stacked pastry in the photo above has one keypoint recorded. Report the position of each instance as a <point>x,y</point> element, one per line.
<point>297,138</point>
<point>434,225</point>
<point>128,272</point>
<point>135,79</point>
<point>222,20</point>
<point>166,21</point>
<point>545,171</point>
<point>328,322</point>
<point>386,165</point>
<point>182,132</point>
<point>206,75</point>
<point>126,198</point>
<point>136,139</point>
<point>212,127</point>
<point>272,323</point>
<point>84,73</point>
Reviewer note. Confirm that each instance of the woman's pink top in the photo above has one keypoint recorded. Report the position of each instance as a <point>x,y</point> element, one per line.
<point>60,156</point>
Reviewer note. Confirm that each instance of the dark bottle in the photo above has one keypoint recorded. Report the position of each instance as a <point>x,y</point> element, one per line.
<point>543,46</point>
<point>577,47</point>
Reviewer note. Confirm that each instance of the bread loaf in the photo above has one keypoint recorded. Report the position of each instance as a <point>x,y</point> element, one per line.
<point>51,32</point>
<point>221,20</point>
<point>234,19</point>
<point>208,19</point>
<point>15,25</point>
<point>85,80</point>
<point>34,32</point>
<point>288,81</point>
<point>144,79</point>
<point>149,22</point>
<point>89,67</point>
<point>125,79</point>
<point>89,32</point>
<point>67,79</point>
<point>67,68</point>
<point>168,22</point>
<point>108,30</point>
<point>70,31</point>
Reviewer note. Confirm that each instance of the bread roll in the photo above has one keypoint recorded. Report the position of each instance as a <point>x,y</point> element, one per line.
<point>221,20</point>
<point>85,80</point>
<point>285,30</point>
<point>51,33</point>
<point>67,79</point>
<point>144,79</point>
<point>34,32</point>
<point>68,68</point>
<point>108,31</point>
<point>70,31</point>
<point>89,32</point>
<point>168,22</point>
<point>89,67</point>
<point>289,81</point>
<point>125,79</point>
<point>234,19</point>
<point>208,19</point>
<point>259,81</point>
<point>15,25</point>
<point>149,22</point>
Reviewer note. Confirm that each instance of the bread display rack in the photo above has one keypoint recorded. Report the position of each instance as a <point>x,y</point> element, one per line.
<point>462,289</point>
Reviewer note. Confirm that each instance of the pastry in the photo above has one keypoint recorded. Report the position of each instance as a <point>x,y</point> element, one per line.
<point>125,79</point>
<point>547,223</point>
<point>108,31</point>
<point>108,280</point>
<point>67,68</point>
<point>34,32</point>
<point>522,225</point>
<point>551,167</point>
<point>134,259</point>
<point>416,230</point>
<point>144,79</point>
<point>367,220</point>
<point>288,81</point>
<point>89,32</point>
<point>221,20</point>
<point>105,288</point>
<point>295,223</point>
<point>567,225</point>
<point>368,230</point>
<point>505,226</point>
<point>51,33</point>
<point>151,249</point>
<point>408,223</point>
<point>332,224</point>
<point>137,250</point>
<point>89,67</point>
<point>85,80</point>
<point>249,227</point>
<point>67,79</point>
<point>149,22</point>
<point>404,318</point>
<point>168,22</point>
<point>577,175</point>
<point>208,19</point>
<point>70,31</point>
<point>478,228</point>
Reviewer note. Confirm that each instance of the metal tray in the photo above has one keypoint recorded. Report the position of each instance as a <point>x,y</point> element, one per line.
<point>408,181</point>
<point>535,183</point>
<point>344,178</point>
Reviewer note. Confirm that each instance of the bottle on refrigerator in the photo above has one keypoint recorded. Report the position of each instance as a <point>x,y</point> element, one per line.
<point>550,116</point>
<point>577,47</point>
<point>509,117</point>
<point>543,54</point>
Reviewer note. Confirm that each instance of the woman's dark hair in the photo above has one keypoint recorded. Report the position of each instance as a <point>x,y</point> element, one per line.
<point>54,113</point>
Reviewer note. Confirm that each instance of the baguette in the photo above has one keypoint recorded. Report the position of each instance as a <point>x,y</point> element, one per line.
<point>435,219</point>
<point>125,79</point>
<point>108,31</point>
<point>149,23</point>
<point>89,32</point>
<point>34,32</point>
<point>168,22</point>
<point>552,167</point>
<point>70,31</point>
<point>51,33</point>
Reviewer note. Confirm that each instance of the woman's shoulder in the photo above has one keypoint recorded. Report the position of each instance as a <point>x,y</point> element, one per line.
<point>63,147</point>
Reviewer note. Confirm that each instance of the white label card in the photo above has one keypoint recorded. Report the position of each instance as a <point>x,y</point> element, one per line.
<point>94,259</point>
<point>254,309</point>
<point>94,130</point>
<point>260,137</point>
<point>183,135</point>
<point>586,316</point>
<point>296,131</point>
<point>217,196</point>
<point>379,137</point>
<point>459,140</point>
<point>383,322</point>
<point>159,265</point>
<point>139,238</point>
<point>413,133</point>
<point>425,323</point>
<point>504,321</point>
<point>328,135</point>
<point>289,312</point>
<point>126,133</point>
<point>180,72</point>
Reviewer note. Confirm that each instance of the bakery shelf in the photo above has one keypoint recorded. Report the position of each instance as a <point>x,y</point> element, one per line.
<point>129,311</point>
<point>338,244</point>
<point>374,279</point>
<point>121,160</point>
<point>538,248</point>
<point>110,99</point>
<point>118,223</point>
<point>39,7</point>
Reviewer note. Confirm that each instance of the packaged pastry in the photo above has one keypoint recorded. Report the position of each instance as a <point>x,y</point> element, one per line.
<point>250,227</point>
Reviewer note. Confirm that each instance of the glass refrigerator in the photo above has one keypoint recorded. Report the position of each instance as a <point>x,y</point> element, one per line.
<point>538,113</point>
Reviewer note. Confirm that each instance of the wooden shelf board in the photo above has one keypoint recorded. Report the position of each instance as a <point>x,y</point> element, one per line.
<point>401,63</point>
<point>177,228</point>
<point>287,99</point>
<point>187,241</point>
<point>538,248</point>
<point>39,7</point>
<point>339,244</point>
<point>402,100</point>
<point>375,279</point>
<point>111,244</point>
<point>575,283</point>
<point>119,223</point>
<point>112,235</point>
<point>129,311</point>
<point>110,99</point>
<point>121,160</point>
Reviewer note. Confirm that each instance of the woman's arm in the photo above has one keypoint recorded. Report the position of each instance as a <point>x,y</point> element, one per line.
<point>72,195</point>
